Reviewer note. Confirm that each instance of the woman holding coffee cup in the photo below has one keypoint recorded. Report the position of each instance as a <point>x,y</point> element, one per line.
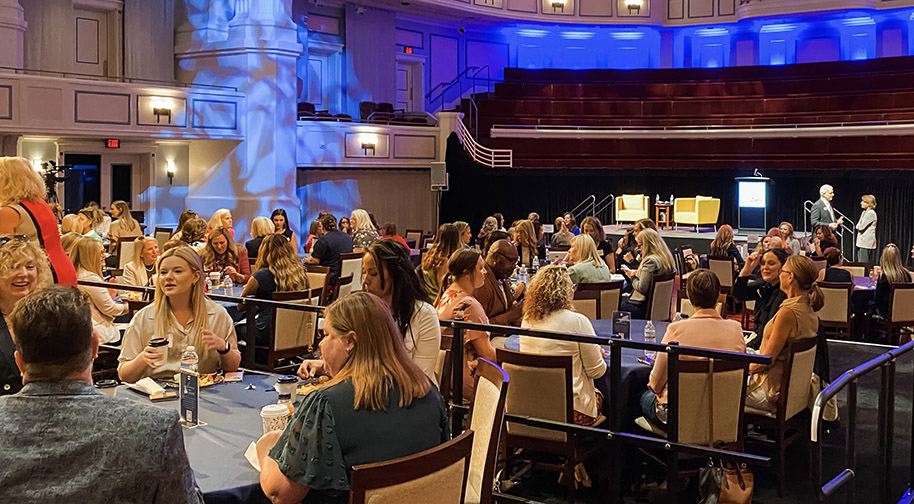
<point>377,406</point>
<point>182,316</point>
<point>24,269</point>
<point>221,254</point>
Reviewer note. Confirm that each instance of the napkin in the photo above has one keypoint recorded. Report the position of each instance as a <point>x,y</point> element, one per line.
<point>251,455</point>
<point>147,386</point>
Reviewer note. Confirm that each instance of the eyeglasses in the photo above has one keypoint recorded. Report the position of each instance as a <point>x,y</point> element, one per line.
<point>6,239</point>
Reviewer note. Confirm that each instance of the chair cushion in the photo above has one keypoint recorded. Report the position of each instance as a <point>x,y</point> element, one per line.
<point>703,198</point>
<point>649,426</point>
<point>752,411</point>
<point>686,217</point>
<point>631,215</point>
<point>633,201</point>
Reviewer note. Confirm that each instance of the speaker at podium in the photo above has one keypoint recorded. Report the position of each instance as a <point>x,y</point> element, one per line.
<point>752,203</point>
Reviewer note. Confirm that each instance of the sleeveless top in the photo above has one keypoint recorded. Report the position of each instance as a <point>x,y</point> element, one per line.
<point>37,221</point>
<point>807,327</point>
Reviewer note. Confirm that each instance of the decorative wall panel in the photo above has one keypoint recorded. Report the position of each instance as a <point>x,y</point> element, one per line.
<point>102,108</point>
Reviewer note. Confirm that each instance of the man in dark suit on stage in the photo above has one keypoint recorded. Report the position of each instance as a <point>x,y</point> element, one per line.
<point>822,212</point>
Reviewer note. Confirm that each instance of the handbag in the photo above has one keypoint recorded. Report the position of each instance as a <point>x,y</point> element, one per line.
<point>721,482</point>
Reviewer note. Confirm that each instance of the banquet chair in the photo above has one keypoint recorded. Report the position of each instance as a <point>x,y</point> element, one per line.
<point>819,263</point>
<point>722,266</point>
<point>748,314</point>
<point>292,332</point>
<point>788,423</point>
<point>660,298</point>
<point>162,235</point>
<point>610,295</point>
<point>899,320</point>
<point>437,475</point>
<point>344,287</point>
<point>486,420</point>
<point>443,367</point>
<point>351,264</point>
<point>836,316</point>
<point>415,234</point>
<point>696,211</point>
<point>857,269</point>
<point>632,207</point>
<point>587,303</point>
<point>124,251</point>
<point>685,307</point>
<point>317,277</point>
<point>541,387</point>
<point>557,252</point>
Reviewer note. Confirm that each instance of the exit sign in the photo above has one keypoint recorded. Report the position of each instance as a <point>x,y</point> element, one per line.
<point>113,143</point>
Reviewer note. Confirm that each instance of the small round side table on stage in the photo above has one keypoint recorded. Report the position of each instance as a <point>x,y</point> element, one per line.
<point>663,215</point>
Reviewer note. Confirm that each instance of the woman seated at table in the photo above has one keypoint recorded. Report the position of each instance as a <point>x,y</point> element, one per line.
<point>488,225</point>
<point>88,219</point>
<point>561,237</point>
<point>24,269</point>
<point>766,292</point>
<point>628,251</point>
<point>466,234</point>
<point>833,271</point>
<point>125,226</point>
<point>344,225</point>
<point>593,227</point>
<point>584,262</point>
<point>314,232</point>
<point>893,271</point>
<point>194,234</point>
<point>363,231</point>
<point>222,254</point>
<point>71,224</point>
<point>656,260</point>
<point>388,274</point>
<point>527,248</point>
<point>140,270</point>
<point>280,222</point>
<point>466,273</point>
<point>434,262</point>
<point>277,270</point>
<point>571,223</point>
<point>723,246</point>
<point>182,315</point>
<point>824,239</point>
<point>377,406</point>
<point>704,329</point>
<point>88,256</point>
<point>67,242</point>
<point>182,219</point>
<point>547,307</point>
<point>222,218</point>
<point>789,237</point>
<point>795,320</point>
<point>260,228</point>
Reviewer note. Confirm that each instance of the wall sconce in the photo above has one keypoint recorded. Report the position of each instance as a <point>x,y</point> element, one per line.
<point>162,107</point>
<point>558,4</point>
<point>634,5</point>
<point>36,164</point>
<point>369,142</point>
<point>170,170</point>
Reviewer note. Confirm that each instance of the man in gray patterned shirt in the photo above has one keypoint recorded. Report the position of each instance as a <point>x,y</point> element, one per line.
<point>61,440</point>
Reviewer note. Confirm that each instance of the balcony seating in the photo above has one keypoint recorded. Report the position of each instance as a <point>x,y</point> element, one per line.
<point>696,211</point>
<point>632,207</point>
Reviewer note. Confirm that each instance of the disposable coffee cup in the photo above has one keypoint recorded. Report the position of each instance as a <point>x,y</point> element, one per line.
<point>107,387</point>
<point>274,417</point>
<point>160,345</point>
<point>287,384</point>
<point>214,276</point>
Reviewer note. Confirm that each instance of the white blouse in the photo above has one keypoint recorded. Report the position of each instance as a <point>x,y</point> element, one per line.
<point>423,338</point>
<point>104,309</point>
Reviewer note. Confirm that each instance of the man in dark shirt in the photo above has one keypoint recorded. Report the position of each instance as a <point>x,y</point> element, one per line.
<point>329,246</point>
<point>62,440</point>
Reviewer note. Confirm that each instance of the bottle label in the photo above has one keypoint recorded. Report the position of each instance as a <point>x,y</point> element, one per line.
<point>189,397</point>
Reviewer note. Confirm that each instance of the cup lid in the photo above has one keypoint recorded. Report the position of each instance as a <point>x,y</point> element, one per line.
<point>106,383</point>
<point>157,342</point>
<point>287,379</point>
<point>274,410</point>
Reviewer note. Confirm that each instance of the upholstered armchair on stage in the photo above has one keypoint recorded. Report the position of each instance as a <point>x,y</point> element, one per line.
<point>632,207</point>
<point>696,211</point>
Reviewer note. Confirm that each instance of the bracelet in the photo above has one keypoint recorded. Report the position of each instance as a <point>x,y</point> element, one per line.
<point>228,347</point>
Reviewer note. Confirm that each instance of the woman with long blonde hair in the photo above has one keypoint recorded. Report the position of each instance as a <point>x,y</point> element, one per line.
<point>363,231</point>
<point>723,246</point>
<point>88,256</point>
<point>261,227</point>
<point>433,268</point>
<point>547,307</point>
<point>893,271</point>
<point>182,315</point>
<point>277,270</point>
<point>24,212</point>
<point>125,226</point>
<point>378,405</point>
<point>656,259</point>
<point>585,263</point>
<point>142,268</point>
<point>527,247</point>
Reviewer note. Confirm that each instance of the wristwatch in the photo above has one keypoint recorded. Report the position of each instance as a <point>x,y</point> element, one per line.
<point>227,348</point>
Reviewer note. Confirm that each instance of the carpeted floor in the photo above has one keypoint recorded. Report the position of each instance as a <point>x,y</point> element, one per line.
<point>542,487</point>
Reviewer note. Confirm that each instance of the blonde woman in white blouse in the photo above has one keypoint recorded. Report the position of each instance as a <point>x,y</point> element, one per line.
<point>143,266</point>
<point>88,256</point>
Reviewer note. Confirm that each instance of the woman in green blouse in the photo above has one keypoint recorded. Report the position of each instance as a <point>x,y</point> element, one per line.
<point>377,406</point>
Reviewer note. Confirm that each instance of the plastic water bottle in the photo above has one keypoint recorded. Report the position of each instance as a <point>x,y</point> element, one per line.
<point>190,386</point>
<point>536,263</point>
<point>522,275</point>
<point>228,285</point>
<point>650,336</point>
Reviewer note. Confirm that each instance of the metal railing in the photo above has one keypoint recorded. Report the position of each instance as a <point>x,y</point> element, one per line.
<point>122,79</point>
<point>470,73</point>
<point>885,429</point>
<point>493,158</point>
<point>250,334</point>
<point>613,435</point>
<point>843,231</point>
<point>580,211</point>
<point>605,204</point>
<point>701,127</point>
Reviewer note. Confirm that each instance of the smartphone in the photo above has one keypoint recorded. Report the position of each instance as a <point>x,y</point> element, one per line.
<point>622,321</point>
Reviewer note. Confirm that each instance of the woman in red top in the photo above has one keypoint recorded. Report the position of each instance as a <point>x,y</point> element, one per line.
<point>23,211</point>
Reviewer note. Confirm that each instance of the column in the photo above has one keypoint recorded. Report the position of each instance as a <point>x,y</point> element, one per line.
<point>12,32</point>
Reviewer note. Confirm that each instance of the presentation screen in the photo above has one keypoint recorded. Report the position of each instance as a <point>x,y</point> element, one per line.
<point>752,194</point>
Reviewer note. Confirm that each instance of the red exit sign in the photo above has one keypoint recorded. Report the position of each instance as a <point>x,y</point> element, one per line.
<point>113,143</point>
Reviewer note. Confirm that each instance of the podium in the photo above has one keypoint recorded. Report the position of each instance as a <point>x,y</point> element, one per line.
<point>752,203</point>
